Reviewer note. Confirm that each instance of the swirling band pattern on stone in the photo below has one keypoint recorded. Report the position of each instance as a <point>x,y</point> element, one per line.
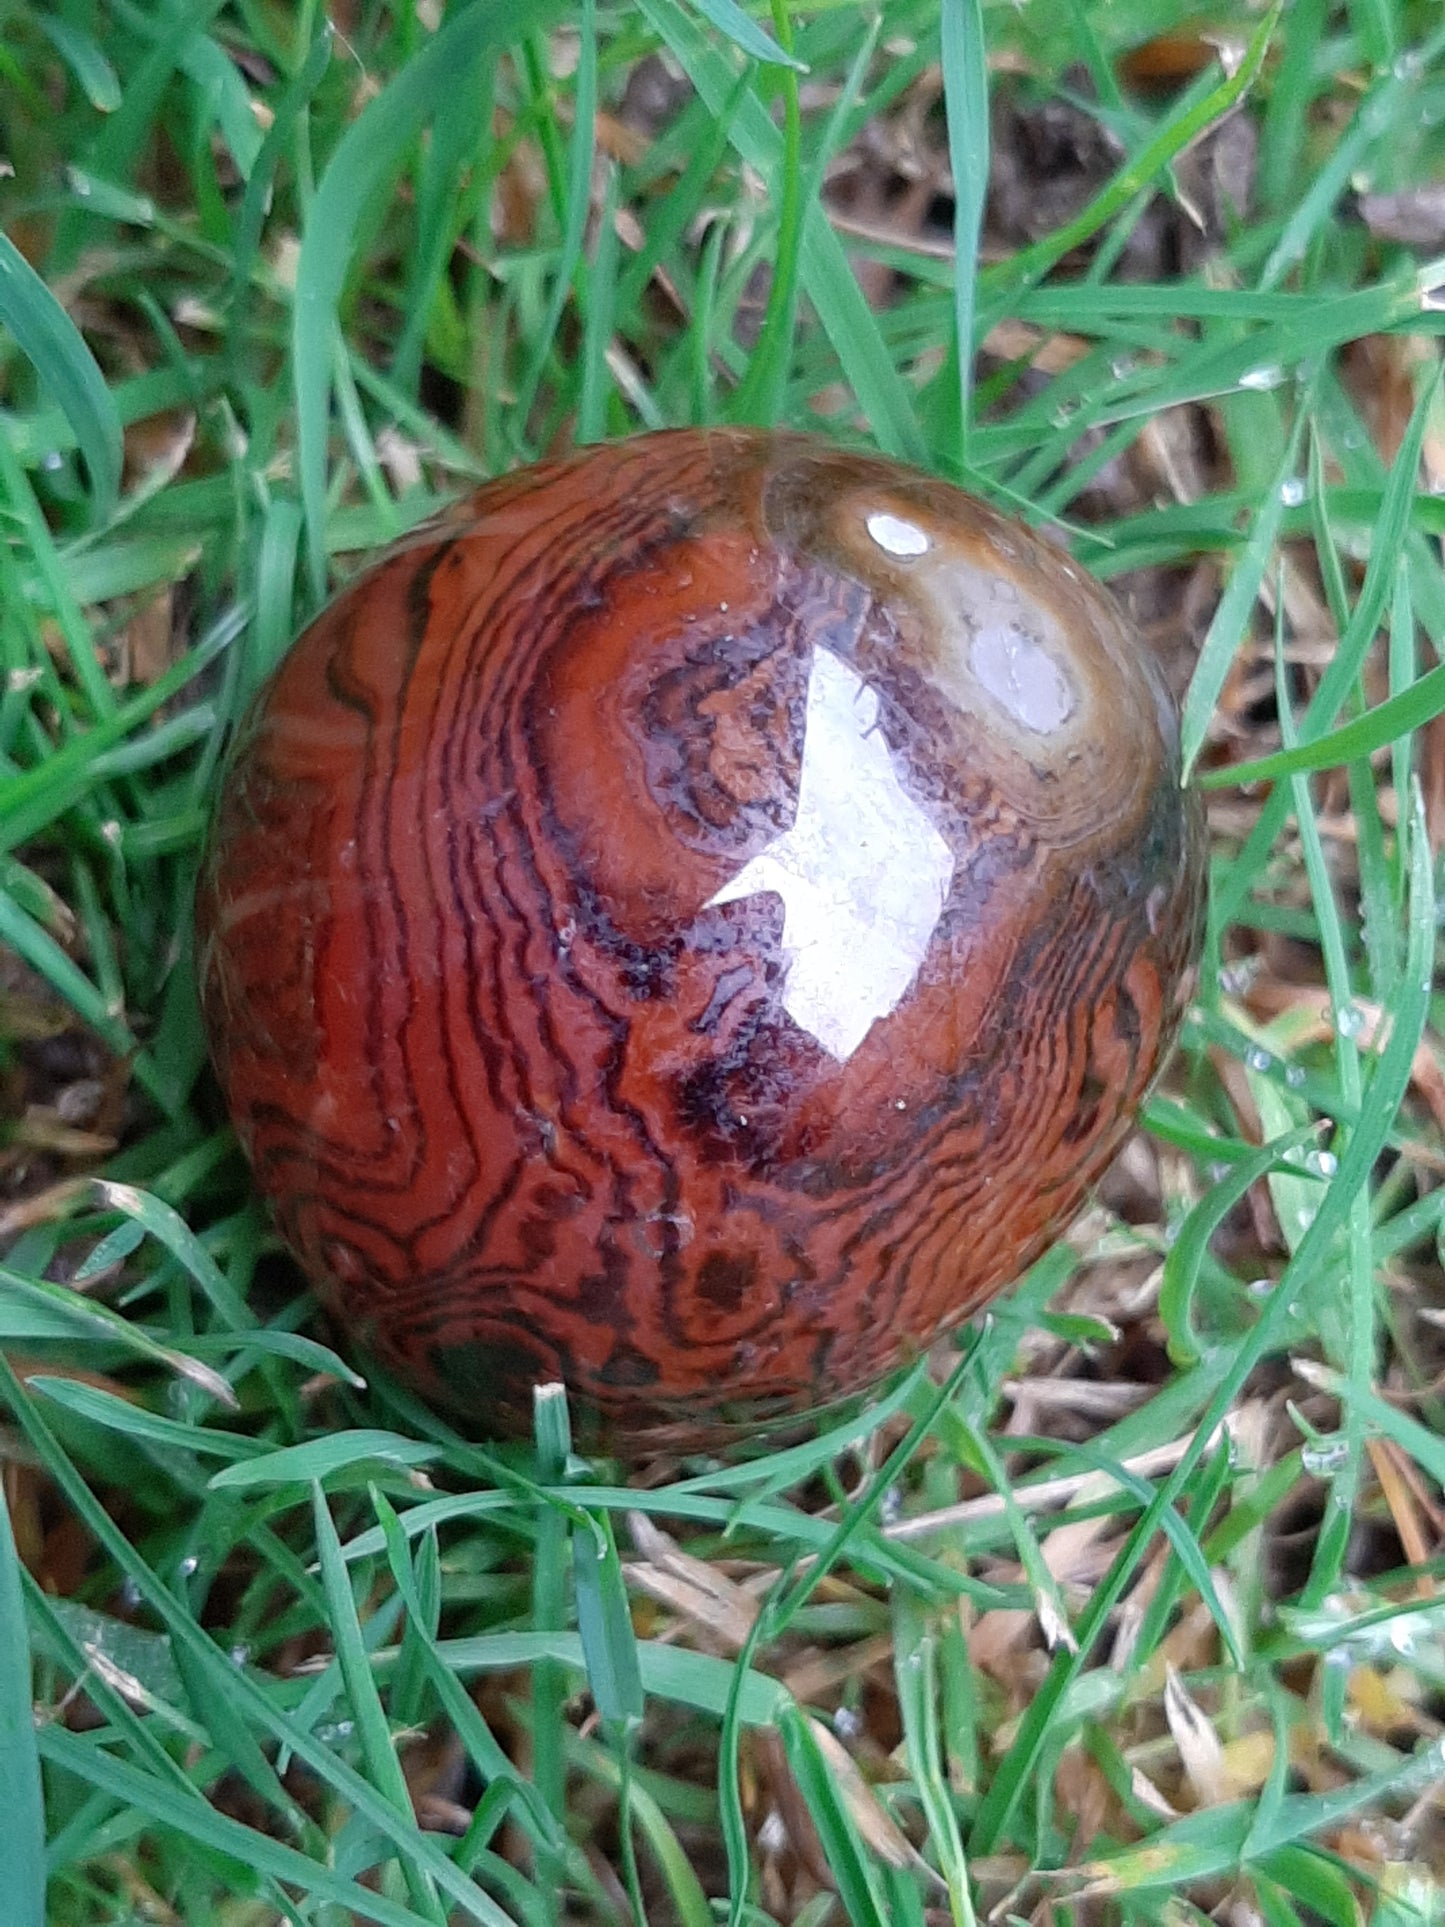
<point>505,1026</point>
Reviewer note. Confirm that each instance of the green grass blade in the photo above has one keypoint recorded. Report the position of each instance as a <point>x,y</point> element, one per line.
<point>323,1458</point>
<point>21,1800</point>
<point>1172,139</point>
<point>1388,722</point>
<point>67,369</point>
<point>1386,1090</point>
<point>1236,605</point>
<point>207,1827</point>
<point>578,172</point>
<point>915,1664</point>
<point>759,395</point>
<point>86,60</point>
<point>965,90</point>
<point>1190,1247</point>
<point>600,321</point>
<point>1381,108</point>
<point>367,157</point>
<point>249,1699</point>
<point>828,280</point>
<point>859,1886</point>
<point>745,33</point>
<point>604,1622</point>
<point>382,1765</point>
<point>549,1613</point>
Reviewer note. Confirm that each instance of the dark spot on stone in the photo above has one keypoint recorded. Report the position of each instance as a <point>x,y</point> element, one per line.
<point>1092,1092</point>
<point>628,1369</point>
<point>492,1378</point>
<point>538,1238</point>
<point>1127,1021</point>
<point>603,1295</point>
<point>725,1278</point>
<point>559,1201</point>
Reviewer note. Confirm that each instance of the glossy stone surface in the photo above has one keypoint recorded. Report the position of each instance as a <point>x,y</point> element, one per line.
<point>693,923</point>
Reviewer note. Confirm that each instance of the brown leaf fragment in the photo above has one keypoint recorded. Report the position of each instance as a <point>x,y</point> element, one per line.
<point>43,1129</point>
<point>1431,743</point>
<point>43,1207</point>
<point>818,1674</point>
<point>785,1823</point>
<point>702,1595</point>
<point>1386,1458</point>
<point>1247,1762</point>
<point>1415,216</point>
<point>1200,1749</point>
<point>1083,1792</point>
<point>879,1830</point>
<point>1148,1795</point>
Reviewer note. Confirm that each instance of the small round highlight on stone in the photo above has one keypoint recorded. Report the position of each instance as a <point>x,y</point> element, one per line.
<point>897,536</point>
<point>690,925</point>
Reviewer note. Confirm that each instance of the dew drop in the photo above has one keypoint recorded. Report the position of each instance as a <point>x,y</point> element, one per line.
<point>1262,379</point>
<point>773,1833</point>
<point>1292,492</point>
<point>1325,1457</point>
<point>1236,978</point>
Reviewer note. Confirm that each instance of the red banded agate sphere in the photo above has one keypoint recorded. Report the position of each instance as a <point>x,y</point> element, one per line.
<point>692,923</point>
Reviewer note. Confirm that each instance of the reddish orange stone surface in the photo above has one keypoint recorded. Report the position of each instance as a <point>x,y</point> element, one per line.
<point>693,923</point>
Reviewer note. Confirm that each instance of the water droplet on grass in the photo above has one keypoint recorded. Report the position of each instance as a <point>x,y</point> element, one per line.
<point>1325,1457</point>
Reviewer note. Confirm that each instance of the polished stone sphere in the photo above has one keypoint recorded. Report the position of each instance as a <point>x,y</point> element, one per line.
<point>692,923</point>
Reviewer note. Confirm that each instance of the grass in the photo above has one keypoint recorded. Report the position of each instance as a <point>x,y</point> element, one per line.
<point>1131,1609</point>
